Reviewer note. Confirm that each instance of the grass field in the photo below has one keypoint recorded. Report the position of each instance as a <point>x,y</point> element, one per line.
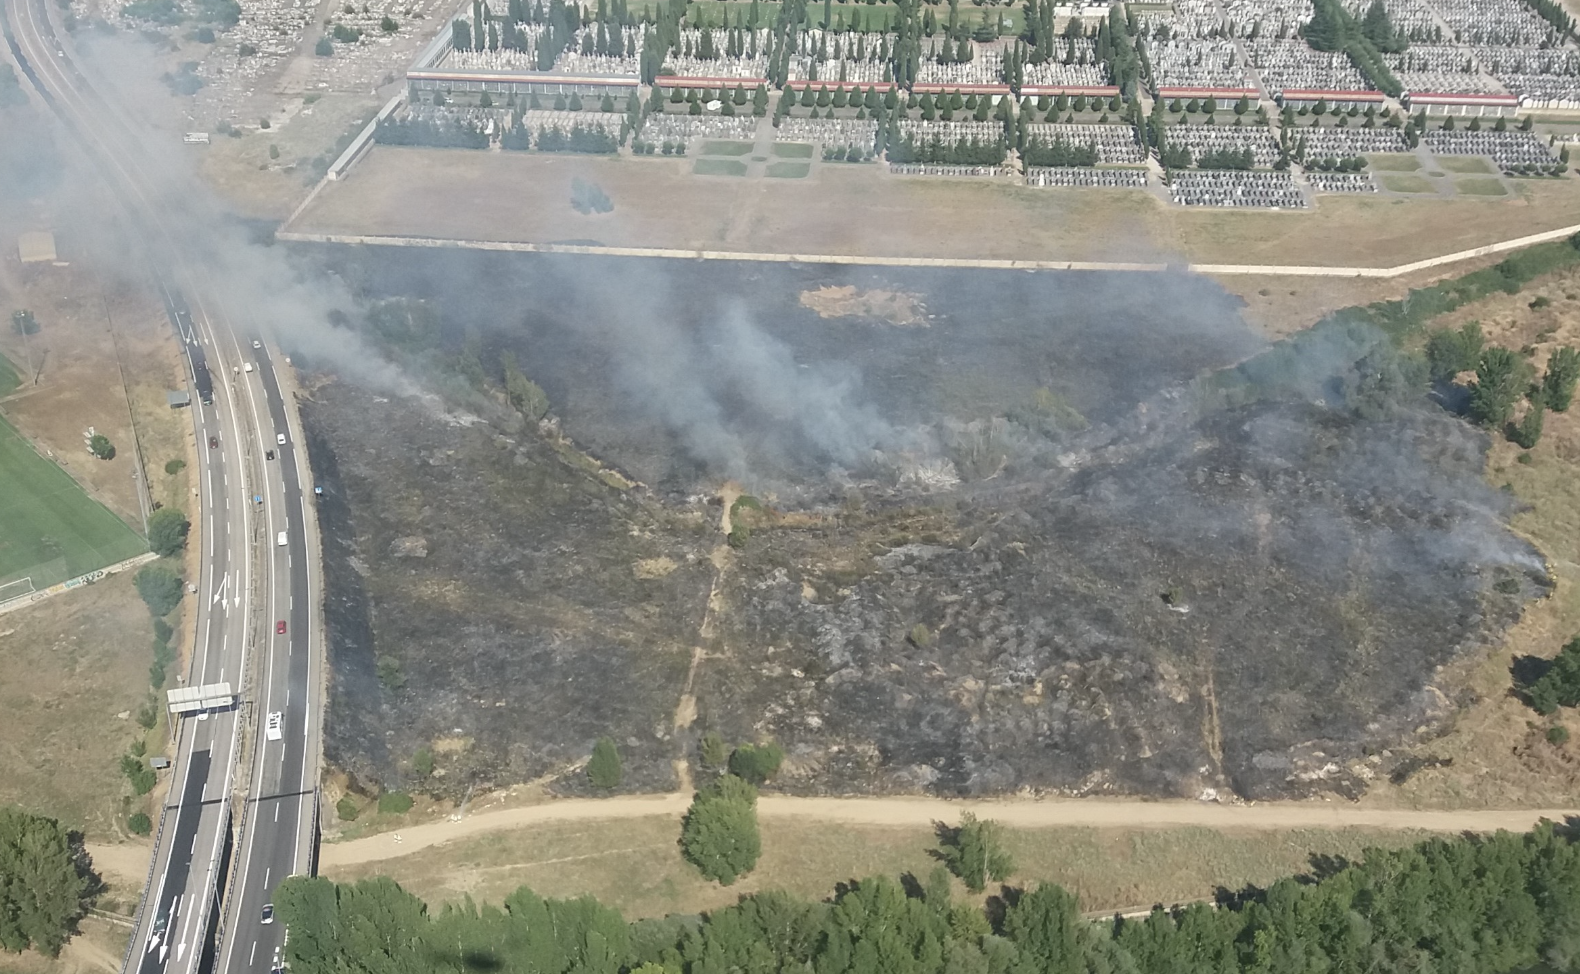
<point>1407,184</point>
<point>635,865</point>
<point>49,528</point>
<point>788,170</point>
<point>793,150</point>
<point>1394,162</point>
<point>9,380</point>
<point>718,167</point>
<point>1464,164</point>
<point>1483,186</point>
<point>725,149</point>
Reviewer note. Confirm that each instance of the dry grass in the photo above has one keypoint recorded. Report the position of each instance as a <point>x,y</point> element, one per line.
<point>1501,756</point>
<point>97,949</point>
<point>635,865</point>
<point>861,210</point>
<point>69,666</point>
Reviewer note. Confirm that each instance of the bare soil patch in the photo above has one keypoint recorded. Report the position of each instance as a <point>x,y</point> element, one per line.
<point>847,302</point>
<point>454,194</point>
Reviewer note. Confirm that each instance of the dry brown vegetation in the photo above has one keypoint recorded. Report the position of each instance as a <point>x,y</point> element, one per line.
<point>635,864</point>
<point>1498,745</point>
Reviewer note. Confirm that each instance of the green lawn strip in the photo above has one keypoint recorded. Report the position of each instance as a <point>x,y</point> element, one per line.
<point>788,170</point>
<point>725,149</point>
<point>1464,164</point>
<point>1394,162</point>
<point>1407,184</point>
<point>718,167</point>
<point>9,380</point>
<point>1480,186</point>
<point>50,528</point>
<point>793,150</point>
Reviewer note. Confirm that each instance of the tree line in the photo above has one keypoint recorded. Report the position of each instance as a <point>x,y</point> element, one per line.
<point>1471,904</point>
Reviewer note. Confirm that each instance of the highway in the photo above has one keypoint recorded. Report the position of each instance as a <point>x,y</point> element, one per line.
<point>206,893</point>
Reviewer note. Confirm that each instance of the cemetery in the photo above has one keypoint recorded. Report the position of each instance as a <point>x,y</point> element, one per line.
<point>1056,100</point>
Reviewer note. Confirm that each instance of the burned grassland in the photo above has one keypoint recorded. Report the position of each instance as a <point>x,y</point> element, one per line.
<point>1062,534</point>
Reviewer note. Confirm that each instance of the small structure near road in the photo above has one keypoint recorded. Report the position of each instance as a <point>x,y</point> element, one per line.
<point>178,399</point>
<point>36,247</point>
<point>194,700</point>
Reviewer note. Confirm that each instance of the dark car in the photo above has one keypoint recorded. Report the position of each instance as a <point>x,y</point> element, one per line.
<point>268,454</point>
<point>213,442</point>
<point>268,913</point>
<point>279,628</point>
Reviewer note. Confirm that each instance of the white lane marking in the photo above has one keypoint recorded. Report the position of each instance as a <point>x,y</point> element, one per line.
<point>276,811</point>
<point>252,954</point>
<point>266,874</point>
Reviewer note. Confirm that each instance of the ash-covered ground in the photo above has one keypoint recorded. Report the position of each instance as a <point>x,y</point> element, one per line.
<point>1017,531</point>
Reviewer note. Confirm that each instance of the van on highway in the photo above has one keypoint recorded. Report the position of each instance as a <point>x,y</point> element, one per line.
<point>274,729</point>
<point>280,540</point>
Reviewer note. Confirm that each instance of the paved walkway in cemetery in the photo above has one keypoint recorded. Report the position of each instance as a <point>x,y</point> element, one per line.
<point>1287,270</point>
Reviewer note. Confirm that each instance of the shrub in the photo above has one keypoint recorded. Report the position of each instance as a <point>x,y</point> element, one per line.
<point>394,803</point>
<point>347,809</point>
<point>719,834</point>
<point>603,770</point>
<point>100,446</point>
<point>1558,735</point>
<point>422,762</point>
<point>174,467</point>
<point>756,763</point>
<point>389,672</point>
<point>714,752</point>
<point>139,824</point>
<point>324,48</point>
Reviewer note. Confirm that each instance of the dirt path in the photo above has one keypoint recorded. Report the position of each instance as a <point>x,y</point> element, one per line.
<point>1089,813</point>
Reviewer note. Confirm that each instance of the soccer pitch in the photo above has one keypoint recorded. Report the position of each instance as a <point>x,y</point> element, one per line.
<point>50,529</point>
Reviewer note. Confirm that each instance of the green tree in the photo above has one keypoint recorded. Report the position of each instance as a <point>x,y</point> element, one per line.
<point>173,467</point>
<point>975,852</point>
<point>422,762</point>
<point>1560,685</point>
<point>46,883</point>
<point>388,25</point>
<point>324,48</point>
<point>100,446</point>
<point>167,531</point>
<point>347,809</point>
<point>719,834</point>
<point>1047,926</point>
<point>1501,378</point>
<point>526,396</point>
<point>1558,383</point>
<point>756,763</point>
<point>603,768</point>
<point>138,823</point>
<point>160,588</point>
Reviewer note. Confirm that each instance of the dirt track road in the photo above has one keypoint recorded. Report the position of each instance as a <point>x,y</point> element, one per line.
<point>1087,813</point>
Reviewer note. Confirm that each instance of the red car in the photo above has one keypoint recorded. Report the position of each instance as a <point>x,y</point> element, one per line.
<point>279,628</point>
<point>213,442</point>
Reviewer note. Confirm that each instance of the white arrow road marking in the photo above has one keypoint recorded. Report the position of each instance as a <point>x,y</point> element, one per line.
<point>219,593</point>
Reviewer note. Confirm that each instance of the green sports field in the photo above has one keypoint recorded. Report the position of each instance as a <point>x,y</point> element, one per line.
<point>50,530</point>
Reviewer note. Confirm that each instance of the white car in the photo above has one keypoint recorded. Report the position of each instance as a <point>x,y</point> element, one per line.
<point>281,539</point>
<point>274,728</point>
<point>279,438</point>
<point>256,343</point>
<point>248,367</point>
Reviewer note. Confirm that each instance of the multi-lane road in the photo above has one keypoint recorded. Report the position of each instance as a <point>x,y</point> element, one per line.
<point>240,813</point>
